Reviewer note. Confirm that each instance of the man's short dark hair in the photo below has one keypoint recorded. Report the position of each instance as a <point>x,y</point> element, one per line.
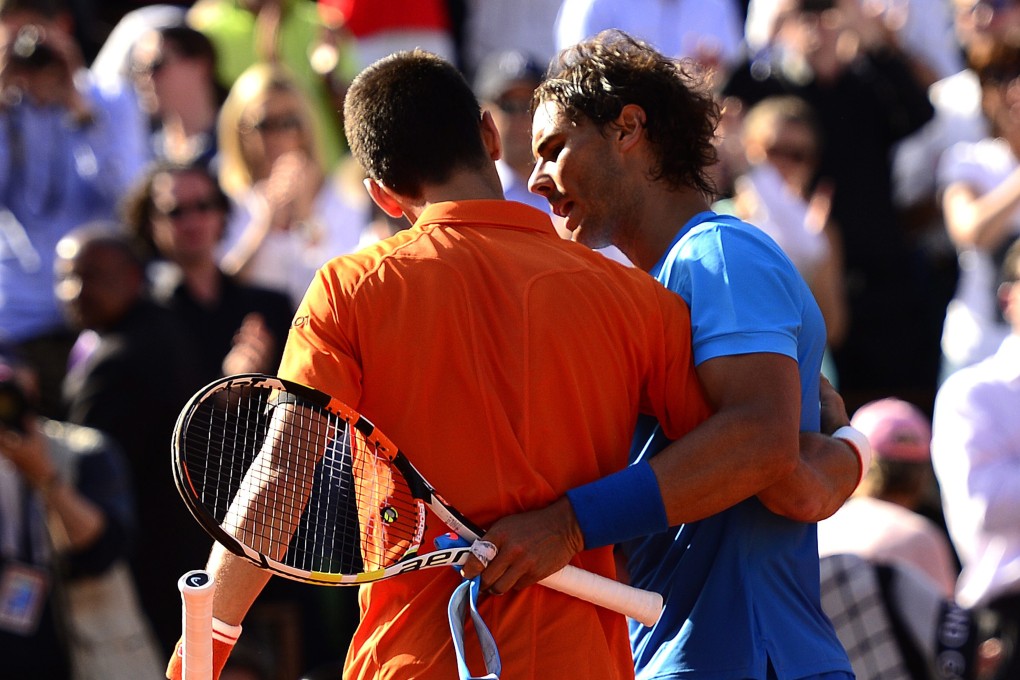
<point>411,119</point>
<point>109,236</point>
<point>598,77</point>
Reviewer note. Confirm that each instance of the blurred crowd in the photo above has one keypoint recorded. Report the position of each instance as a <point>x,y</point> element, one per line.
<point>172,175</point>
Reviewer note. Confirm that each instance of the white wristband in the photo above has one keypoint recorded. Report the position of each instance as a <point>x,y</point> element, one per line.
<point>859,443</point>
<point>225,632</point>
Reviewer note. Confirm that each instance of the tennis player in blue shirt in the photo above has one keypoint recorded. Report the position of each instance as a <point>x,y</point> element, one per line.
<point>722,521</point>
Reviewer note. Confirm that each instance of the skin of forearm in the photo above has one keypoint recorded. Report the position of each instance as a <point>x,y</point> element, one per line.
<point>751,447</point>
<point>81,520</point>
<point>980,221</point>
<point>822,481</point>
<point>238,583</point>
<point>237,261</point>
<point>730,457</point>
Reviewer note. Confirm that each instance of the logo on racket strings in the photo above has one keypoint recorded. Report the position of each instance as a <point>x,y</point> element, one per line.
<point>389,514</point>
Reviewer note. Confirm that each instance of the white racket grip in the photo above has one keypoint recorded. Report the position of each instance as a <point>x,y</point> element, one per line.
<point>196,620</point>
<point>643,606</point>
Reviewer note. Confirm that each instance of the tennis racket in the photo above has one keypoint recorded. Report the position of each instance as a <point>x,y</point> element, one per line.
<point>196,618</point>
<point>306,487</point>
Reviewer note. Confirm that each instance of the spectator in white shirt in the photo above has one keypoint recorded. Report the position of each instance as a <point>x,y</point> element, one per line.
<point>976,454</point>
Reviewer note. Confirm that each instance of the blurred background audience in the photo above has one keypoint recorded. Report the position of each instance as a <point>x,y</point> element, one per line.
<point>173,69</point>
<point>774,189</point>
<point>133,371</point>
<point>179,214</point>
<point>67,153</point>
<point>976,453</point>
<point>884,520</point>
<point>66,521</point>
<point>875,140</point>
<point>292,212</point>
<point>980,188</point>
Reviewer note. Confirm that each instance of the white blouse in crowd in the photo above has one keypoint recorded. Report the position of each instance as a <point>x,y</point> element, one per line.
<point>976,454</point>
<point>783,215</point>
<point>973,328</point>
<point>287,260</point>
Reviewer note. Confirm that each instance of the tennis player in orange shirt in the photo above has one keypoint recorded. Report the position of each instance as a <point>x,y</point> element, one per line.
<point>509,363</point>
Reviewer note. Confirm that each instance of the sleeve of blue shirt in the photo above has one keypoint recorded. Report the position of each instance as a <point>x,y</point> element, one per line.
<point>744,293</point>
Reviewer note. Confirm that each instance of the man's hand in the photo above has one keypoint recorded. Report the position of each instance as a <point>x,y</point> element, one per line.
<point>253,348</point>
<point>51,81</point>
<point>29,451</point>
<point>531,546</point>
<point>834,415</point>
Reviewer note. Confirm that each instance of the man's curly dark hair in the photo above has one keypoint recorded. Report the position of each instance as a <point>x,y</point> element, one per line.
<point>597,77</point>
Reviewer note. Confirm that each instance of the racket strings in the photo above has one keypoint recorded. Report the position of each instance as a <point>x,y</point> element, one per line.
<point>298,484</point>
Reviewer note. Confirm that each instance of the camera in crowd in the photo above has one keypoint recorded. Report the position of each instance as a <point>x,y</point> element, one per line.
<point>14,406</point>
<point>29,51</point>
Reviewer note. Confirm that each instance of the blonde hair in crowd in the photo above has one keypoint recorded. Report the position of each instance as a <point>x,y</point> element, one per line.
<point>257,84</point>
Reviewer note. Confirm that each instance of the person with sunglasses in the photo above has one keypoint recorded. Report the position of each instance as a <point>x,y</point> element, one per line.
<point>775,191</point>
<point>292,213</point>
<point>134,367</point>
<point>173,69</point>
<point>179,214</point>
<point>504,84</point>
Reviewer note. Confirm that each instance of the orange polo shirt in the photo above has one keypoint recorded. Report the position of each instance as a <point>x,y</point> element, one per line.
<point>510,365</point>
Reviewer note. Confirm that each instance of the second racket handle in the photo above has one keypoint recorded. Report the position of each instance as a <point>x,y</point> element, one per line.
<point>196,619</point>
<point>643,606</point>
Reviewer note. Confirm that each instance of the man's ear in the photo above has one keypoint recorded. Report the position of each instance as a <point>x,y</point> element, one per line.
<point>630,125</point>
<point>384,198</point>
<point>1005,300</point>
<point>490,136</point>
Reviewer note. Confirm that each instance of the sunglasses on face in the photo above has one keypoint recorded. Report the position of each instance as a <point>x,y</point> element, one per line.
<point>153,67</point>
<point>271,124</point>
<point>514,107</point>
<point>992,5</point>
<point>792,154</point>
<point>201,207</point>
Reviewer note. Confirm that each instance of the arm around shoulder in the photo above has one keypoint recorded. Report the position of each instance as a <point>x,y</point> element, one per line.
<point>829,467</point>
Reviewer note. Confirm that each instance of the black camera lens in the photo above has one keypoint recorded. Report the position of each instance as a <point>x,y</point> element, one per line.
<point>817,5</point>
<point>13,406</point>
<point>29,51</point>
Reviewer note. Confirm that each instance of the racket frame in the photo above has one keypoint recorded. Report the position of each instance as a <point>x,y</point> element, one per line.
<point>421,490</point>
<point>640,605</point>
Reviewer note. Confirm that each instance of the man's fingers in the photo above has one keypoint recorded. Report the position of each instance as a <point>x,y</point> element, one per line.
<point>514,577</point>
<point>472,568</point>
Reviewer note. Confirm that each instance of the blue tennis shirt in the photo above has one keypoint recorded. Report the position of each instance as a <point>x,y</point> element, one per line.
<point>741,587</point>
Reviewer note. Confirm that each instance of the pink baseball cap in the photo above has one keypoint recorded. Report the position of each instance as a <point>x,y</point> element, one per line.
<point>897,430</point>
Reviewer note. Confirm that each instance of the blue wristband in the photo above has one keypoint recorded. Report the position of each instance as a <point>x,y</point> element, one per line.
<point>625,505</point>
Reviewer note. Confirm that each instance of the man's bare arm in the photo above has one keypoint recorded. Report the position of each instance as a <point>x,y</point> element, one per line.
<point>828,470</point>
<point>749,446</point>
<point>238,584</point>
